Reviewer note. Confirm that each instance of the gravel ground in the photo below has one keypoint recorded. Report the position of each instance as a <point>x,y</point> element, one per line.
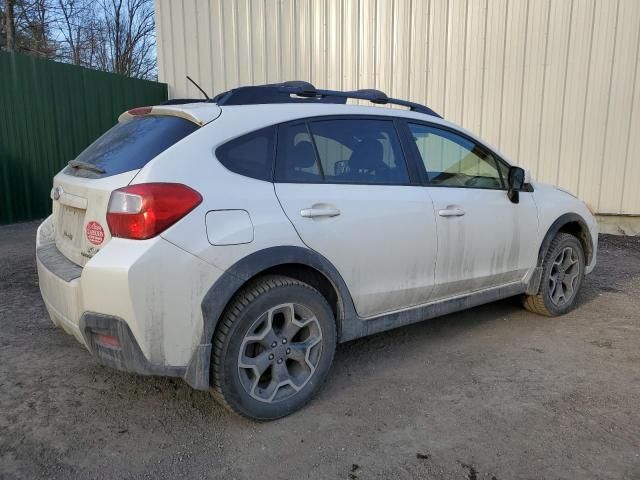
<point>493,392</point>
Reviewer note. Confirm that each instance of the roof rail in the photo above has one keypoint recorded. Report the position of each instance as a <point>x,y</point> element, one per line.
<point>304,92</point>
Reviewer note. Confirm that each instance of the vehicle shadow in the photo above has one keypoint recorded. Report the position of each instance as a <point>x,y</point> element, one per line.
<point>373,351</point>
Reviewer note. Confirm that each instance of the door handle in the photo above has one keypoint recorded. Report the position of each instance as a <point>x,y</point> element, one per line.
<point>451,212</point>
<point>319,212</point>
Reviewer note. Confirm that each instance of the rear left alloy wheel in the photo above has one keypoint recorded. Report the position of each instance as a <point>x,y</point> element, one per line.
<point>273,348</point>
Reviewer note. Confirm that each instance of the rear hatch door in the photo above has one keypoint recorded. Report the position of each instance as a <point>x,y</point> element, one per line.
<point>82,190</point>
<point>79,213</point>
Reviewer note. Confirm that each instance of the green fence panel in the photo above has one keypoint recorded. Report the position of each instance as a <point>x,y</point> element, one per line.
<point>49,112</point>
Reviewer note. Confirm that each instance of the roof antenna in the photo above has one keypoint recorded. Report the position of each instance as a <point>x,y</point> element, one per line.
<point>198,87</point>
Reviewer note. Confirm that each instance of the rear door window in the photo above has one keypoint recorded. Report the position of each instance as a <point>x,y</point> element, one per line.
<point>297,161</point>
<point>359,151</point>
<point>130,145</point>
<point>356,151</point>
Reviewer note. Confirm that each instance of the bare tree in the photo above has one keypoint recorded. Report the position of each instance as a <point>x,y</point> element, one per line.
<point>9,22</point>
<point>36,27</point>
<point>70,28</point>
<point>27,26</point>
<point>129,38</point>
<point>77,24</point>
<point>112,35</point>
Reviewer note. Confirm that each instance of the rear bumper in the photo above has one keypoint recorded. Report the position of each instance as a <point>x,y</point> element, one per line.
<point>126,354</point>
<point>147,294</point>
<point>59,285</point>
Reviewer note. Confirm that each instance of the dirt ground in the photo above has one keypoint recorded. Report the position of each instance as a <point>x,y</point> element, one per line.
<point>493,392</point>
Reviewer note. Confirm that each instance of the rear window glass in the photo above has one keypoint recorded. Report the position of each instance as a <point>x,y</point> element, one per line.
<point>130,145</point>
<point>250,155</point>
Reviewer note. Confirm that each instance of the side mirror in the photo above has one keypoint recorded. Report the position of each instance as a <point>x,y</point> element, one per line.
<point>516,182</point>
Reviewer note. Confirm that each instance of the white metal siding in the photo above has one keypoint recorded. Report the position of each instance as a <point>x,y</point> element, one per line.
<point>553,83</point>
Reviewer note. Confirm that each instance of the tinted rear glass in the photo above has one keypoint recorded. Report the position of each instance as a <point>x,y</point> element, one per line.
<point>130,145</point>
<point>355,151</point>
<point>250,155</point>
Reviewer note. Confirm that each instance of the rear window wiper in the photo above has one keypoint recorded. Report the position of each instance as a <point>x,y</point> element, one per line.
<point>86,166</point>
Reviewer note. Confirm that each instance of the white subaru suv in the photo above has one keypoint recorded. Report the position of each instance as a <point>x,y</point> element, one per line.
<point>234,242</point>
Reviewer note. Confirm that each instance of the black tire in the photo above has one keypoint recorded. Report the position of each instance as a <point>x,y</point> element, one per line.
<point>230,381</point>
<point>543,302</point>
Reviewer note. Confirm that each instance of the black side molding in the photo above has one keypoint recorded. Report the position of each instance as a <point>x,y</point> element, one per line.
<point>358,327</point>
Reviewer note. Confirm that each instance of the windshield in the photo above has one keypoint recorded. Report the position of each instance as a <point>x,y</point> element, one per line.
<point>130,145</point>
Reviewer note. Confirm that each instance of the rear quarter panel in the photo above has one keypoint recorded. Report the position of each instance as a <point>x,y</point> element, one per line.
<point>193,163</point>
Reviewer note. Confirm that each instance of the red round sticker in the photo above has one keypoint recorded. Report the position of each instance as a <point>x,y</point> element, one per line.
<point>95,233</point>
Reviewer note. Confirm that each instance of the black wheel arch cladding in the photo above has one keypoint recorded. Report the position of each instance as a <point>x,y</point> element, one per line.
<point>562,222</point>
<point>233,279</point>
<point>571,223</point>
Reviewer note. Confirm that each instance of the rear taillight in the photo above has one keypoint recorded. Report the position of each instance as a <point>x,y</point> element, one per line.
<point>147,209</point>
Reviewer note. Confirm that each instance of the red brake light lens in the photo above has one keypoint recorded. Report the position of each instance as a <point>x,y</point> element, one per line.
<point>143,211</point>
<point>140,111</point>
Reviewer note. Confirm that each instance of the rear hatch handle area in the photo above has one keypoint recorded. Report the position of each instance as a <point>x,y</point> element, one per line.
<point>58,194</point>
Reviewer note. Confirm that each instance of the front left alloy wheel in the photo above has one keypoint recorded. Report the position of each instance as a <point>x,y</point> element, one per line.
<point>273,348</point>
<point>562,274</point>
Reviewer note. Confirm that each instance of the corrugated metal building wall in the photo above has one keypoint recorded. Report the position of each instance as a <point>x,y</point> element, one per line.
<point>554,84</point>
